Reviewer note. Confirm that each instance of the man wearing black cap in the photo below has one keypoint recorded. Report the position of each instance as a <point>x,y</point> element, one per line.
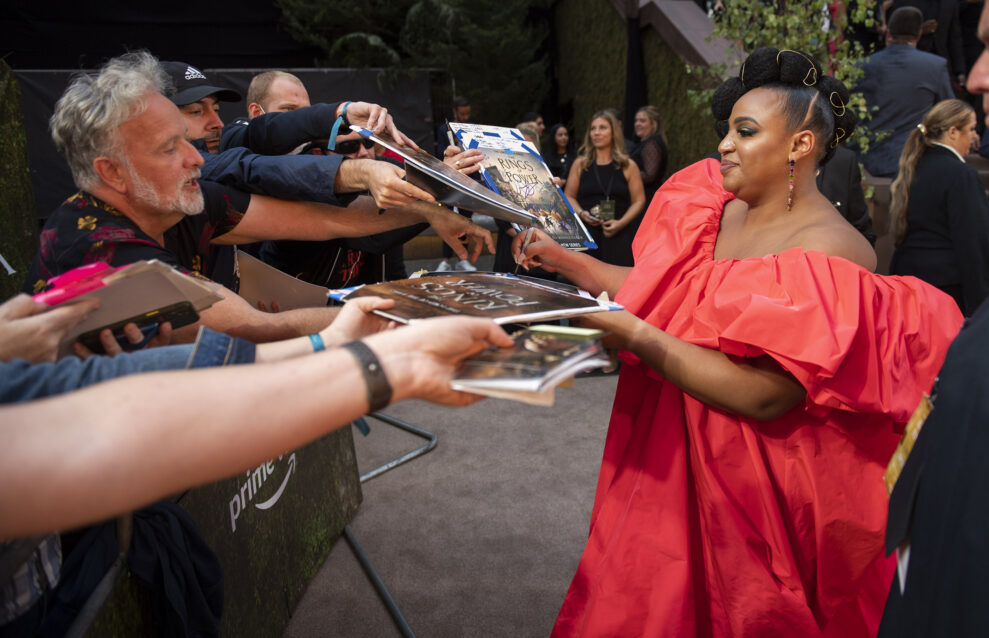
<point>254,168</point>
<point>900,85</point>
<point>199,102</point>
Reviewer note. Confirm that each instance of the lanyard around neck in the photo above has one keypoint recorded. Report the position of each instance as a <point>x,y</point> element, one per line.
<point>611,181</point>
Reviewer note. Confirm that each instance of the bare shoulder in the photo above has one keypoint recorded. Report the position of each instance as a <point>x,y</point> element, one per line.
<point>838,238</point>
<point>578,164</point>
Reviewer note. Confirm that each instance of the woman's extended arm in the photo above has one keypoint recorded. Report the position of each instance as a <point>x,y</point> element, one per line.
<point>755,388</point>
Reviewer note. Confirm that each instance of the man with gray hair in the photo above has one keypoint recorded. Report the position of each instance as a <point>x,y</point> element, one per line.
<point>140,198</point>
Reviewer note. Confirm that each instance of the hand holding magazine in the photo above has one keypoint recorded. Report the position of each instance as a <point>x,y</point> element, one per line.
<point>512,167</point>
<point>542,358</point>
<point>448,185</point>
<point>145,293</point>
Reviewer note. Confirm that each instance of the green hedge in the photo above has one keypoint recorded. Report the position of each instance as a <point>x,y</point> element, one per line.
<point>592,47</point>
<point>18,226</point>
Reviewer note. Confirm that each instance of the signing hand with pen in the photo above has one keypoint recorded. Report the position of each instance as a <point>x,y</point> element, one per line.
<point>534,247</point>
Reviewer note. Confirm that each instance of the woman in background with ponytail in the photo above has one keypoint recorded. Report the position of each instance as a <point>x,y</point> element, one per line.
<point>940,216</point>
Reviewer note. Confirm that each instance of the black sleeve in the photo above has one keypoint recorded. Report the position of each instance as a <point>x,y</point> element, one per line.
<point>309,178</point>
<point>856,211</point>
<point>968,220</point>
<point>280,133</point>
<point>955,51</point>
<point>653,161</point>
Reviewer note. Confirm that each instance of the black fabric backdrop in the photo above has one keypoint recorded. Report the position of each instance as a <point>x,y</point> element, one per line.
<point>69,34</point>
<point>406,98</point>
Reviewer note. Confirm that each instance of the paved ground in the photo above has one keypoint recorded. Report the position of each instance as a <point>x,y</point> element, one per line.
<point>479,537</point>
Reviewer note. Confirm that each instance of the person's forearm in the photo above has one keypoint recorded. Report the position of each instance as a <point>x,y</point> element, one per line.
<point>120,445</point>
<point>269,218</point>
<point>235,317</point>
<point>24,381</point>
<point>297,347</point>
<point>756,389</point>
<point>352,176</point>
<point>634,210</point>
<point>593,275</point>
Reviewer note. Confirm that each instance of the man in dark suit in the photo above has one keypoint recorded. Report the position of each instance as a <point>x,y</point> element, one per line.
<point>938,519</point>
<point>942,33</point>
<point>903,83</point>
<point>840,180</point>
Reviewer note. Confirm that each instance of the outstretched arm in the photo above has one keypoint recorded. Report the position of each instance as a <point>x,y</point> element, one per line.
<point>190,435</point>
<point>268,218</point>
<point>237,318</point>
<point>755,388</point>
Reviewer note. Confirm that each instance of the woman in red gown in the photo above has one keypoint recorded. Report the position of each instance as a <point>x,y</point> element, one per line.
<point>766,376</point>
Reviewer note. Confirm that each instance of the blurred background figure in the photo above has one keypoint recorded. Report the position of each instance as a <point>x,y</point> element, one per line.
<point>460,113</point>
<point>606,188</point>
<point>939,212</point>
<point>650,154</point>
<point>559,152</point>
<point>537,120</point>
<point>942,34</point>
<point>900,85</point>
<point>530,131</point>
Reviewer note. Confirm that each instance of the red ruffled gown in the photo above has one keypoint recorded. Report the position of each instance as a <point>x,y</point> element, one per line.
<point>706,523</point>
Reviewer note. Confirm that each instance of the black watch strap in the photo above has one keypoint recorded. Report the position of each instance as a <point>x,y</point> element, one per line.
<point>378,389</point>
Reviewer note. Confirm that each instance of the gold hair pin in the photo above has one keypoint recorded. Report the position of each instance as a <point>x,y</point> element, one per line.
<point>838,134</point>
<point>811,73</point>
<point>834,95</point>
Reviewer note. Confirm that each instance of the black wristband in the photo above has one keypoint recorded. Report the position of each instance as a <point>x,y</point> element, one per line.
<point>378,388</point>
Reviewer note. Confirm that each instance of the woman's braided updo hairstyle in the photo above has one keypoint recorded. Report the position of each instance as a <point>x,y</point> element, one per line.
<point>810,99</point>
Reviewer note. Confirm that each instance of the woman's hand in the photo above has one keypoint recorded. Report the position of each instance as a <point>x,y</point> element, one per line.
<point>612,227</point>
<point>541,251</point>
<point>466,162</point>
<point>588,219</point>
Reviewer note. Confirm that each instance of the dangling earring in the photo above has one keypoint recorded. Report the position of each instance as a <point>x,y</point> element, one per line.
<point>789,196</point>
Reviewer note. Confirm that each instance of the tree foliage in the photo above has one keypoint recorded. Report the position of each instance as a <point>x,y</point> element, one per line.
<point>493,49</point>
<point>805,25</point>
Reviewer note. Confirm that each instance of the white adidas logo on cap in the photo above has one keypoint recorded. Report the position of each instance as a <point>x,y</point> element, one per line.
<point>192,73</point>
